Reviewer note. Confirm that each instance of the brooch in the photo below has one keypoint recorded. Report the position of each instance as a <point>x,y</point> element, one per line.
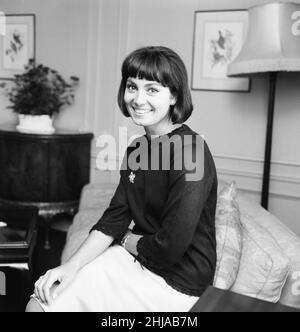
<point>131,177</point>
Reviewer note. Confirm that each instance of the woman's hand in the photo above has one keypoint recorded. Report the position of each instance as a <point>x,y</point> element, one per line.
<point>63,274</point>
<point>94,245</point>
<point>131,242</point>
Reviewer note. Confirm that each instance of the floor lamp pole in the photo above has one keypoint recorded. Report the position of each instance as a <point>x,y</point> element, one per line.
<point>268,146</point>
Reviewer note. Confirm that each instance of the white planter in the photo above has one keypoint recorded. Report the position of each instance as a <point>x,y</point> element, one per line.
<point>39,124</point>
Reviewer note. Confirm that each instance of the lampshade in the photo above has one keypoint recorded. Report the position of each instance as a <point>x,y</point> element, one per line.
<point>273,40</point>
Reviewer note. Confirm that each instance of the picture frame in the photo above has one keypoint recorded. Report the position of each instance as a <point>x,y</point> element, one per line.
<point>218,38</point>
<point>17,44</point>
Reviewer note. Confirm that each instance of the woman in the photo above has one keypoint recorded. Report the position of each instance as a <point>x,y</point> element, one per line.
<point>168,259</point>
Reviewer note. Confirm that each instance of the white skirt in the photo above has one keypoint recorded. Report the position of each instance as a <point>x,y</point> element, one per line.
<point>114,282</point>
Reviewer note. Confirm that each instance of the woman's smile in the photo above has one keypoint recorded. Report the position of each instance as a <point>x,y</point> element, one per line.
<point>141,111</point>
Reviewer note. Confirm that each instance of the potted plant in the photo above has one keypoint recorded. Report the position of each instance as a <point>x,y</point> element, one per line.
<point>37,94</point>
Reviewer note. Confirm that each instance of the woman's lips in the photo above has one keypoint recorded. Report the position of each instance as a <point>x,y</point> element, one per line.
<point>141,111</point>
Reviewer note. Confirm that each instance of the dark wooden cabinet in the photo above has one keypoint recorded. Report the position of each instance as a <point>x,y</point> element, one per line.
<point>45,171</point>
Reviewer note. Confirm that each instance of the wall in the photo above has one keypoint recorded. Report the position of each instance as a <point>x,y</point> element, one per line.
<point>61,43</point>
<point>98,34</point>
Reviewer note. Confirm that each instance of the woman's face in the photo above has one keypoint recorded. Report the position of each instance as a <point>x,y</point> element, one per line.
<point>148,103</point>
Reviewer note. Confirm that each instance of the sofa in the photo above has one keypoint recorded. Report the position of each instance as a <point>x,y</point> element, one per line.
<point>257,255</point>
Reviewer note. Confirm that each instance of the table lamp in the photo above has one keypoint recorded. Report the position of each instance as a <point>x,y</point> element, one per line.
<point>272,45</point>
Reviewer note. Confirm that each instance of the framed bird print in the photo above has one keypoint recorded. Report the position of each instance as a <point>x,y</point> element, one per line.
<point>218,38</point>
<point>17,44</point>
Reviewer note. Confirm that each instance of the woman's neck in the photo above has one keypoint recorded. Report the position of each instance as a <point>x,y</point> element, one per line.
<point>155,132</point>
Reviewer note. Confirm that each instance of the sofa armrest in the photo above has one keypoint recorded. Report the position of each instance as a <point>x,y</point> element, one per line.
<point>93,195</point>
<point>79,230</point>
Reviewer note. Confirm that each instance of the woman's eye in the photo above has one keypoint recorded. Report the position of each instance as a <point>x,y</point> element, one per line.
<point>130,87</point>
<point>152,90</point>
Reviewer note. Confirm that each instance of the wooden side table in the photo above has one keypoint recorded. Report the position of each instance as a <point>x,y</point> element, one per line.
<point>219,300</point>
<point>44,171</point>
<point>17,241</point>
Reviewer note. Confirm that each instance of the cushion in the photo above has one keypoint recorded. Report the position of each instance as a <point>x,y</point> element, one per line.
<point>228,236</point>
<point>288,241</point>
<point>263,266</point>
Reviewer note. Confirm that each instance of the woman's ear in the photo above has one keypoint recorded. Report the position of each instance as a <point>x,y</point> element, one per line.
<point>173,100</point>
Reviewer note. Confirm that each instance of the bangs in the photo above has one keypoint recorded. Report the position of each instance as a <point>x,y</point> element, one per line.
<point>150,66</point>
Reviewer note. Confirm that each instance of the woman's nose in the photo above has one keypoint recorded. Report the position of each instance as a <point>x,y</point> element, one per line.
<point>139,98</point>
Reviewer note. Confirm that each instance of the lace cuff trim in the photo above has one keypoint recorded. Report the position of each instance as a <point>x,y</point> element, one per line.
<point>116,232</point>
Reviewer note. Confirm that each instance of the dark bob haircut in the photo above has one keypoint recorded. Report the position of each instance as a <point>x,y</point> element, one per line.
<point>160,64</point>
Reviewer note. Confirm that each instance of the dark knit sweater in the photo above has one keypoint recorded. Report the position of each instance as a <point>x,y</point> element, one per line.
<point>175,215</point>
